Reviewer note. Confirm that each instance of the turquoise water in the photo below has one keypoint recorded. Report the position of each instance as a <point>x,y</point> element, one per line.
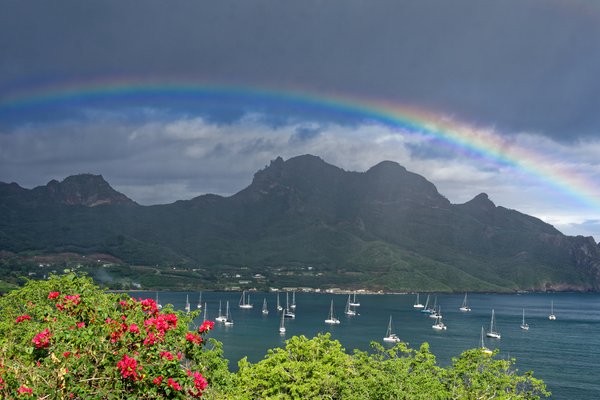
<point>565,353</point>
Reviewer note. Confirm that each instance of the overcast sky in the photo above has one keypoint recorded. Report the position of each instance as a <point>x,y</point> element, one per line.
<point>526,70</point>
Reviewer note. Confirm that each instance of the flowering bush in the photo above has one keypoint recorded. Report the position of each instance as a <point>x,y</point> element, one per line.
<point>65,338</point>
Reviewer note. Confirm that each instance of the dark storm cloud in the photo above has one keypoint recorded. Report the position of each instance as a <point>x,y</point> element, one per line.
<point>517,65</point>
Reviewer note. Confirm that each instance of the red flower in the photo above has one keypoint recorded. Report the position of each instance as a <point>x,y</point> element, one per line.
<point>200,382</point>
<point>173,383</point>
<point>167,355</point>
<point>149,306</point>
<point>206,326</point>
<point>129,367</point>
<point>133,328</point>
<point>151,339</point>
<point>193,338</point>
<point>66,354</point>
<point>158,380</point>
<point>22,318</point>
<point>25,390</point>
<point>53,295</point>
<point>81,324</point>
<point>42,339</point>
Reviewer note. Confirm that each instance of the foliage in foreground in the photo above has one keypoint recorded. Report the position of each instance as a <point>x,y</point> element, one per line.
<point>66,338</point>
<point>320,368</point>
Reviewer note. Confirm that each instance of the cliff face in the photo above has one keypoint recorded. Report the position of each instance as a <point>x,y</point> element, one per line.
<point>384,228</point>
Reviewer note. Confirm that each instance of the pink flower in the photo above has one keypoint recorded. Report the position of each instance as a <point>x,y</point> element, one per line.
<point>133,328</point>
<point>22,318</point>
<point>167,355</point>
<point>53,295</point>
<point>149,306</point>
<point>173,383</point>
<point>200,382</point>
<point>129,367</point>
<point>193,338</point>
<point>158,380</point>
<point>25,390</point>
<point>206,326</point>
<point>42,339</point>
<point>151,339</point>
<point>81,324</point>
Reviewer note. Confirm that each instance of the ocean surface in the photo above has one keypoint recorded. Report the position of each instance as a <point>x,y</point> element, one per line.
<point>565,353</point>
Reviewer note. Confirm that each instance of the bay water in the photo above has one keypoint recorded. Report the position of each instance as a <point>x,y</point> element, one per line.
<point>565,353</point>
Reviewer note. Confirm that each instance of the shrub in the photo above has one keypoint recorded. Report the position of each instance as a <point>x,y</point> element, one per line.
<point>65,338</point>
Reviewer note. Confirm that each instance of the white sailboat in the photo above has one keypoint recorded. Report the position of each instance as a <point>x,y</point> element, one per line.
<point>245,303</point>
<point>293,305</point>
<point>439,325</point>
<point>228,319</point>
<point>417,304</point>
<point>158,305</point>
<point>288,313</point>
<point>265,310</point>
<point>551,317</point>
<point>348,310</point>
<point>282,325</point>
<point>433,311</point>
<point>492,333</point>
<point>199,305</point>
<point>220,317</point>
<point>332,320</point>
<point>524,326</point>
<point>425,309</point>
<point>354,303</point>
<point>279,308</point>
<point>187,303</point>
<point>482,344</point>
<point>465,307</point>
<point>390,336</point>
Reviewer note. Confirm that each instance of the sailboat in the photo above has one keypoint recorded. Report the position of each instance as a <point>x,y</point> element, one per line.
<point>390,336</point>
<point>279,308</point>
<point>293,305</point>
<point>348,310</point>
<point>426,310</point>
<point>439,325</point>
<point>484,349</point>
<point>332,320</point>
<point>199,306</point>
<point>220,317</point>
<point>187,303</point>
<point>354,303</point>
<point>524,326</point>
<point>417,304</point>
<point>282,325</point>
<point>433,313</point>
<point>465,307</point>
<point>228,319</point>
<point>243,303</point>
<point>265,310</point>
<point>158,305</point>
<point>492,332</point>
<point>551,317</point>
<point>288,313</point>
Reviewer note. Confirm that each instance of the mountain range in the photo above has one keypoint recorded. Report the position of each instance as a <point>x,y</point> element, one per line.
<point>304,222</point>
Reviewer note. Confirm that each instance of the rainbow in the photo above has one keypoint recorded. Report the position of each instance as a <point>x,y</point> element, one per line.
<point>481,142</point>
